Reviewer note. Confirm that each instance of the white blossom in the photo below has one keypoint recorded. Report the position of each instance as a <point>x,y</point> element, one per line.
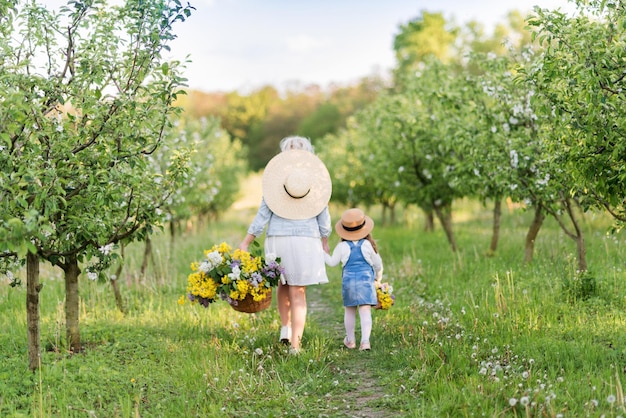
<point>106,249</point>
<point>514,158</point>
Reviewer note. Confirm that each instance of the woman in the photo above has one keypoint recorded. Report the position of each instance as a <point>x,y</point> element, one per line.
<point>296,191</point>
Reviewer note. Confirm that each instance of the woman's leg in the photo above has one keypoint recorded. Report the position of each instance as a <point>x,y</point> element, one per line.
<point>297,300</point>
<point>282,299</point>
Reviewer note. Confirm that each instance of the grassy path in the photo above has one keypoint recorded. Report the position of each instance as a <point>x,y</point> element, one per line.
<point>353,368</point>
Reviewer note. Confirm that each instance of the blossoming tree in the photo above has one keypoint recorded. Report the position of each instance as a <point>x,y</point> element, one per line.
<point>582,77</point>
<point>87,97</point>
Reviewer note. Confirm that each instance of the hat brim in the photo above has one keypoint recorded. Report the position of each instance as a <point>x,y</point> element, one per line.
<point>355,235</point>
<point>275,174</point>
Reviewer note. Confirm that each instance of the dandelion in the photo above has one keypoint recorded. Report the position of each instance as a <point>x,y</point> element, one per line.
<point>92,275</point>
<point>512,401</point>
<point>524,400</point>
<point>610,399</point>
<point>258,351</point>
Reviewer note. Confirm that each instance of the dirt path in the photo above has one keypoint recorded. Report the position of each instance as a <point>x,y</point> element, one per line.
<point>353,369</point>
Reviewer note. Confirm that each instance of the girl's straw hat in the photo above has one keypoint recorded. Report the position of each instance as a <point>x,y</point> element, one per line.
<point>296,185</point>
<point>354,225</point>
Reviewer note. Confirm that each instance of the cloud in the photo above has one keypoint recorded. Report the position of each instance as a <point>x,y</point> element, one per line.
<point>304,43</point>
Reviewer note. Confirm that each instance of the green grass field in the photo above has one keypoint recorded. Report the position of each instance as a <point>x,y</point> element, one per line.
<point>469,335</point>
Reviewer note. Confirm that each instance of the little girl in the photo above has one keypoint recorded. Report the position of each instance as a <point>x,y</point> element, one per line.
<point>361,266</point>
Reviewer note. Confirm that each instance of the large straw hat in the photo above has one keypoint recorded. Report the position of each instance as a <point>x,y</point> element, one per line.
<point>296,185</point>
<point>354,225</point>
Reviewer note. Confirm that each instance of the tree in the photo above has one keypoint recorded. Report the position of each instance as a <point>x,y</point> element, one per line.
<point>87,98</point>
<point>582,76</point>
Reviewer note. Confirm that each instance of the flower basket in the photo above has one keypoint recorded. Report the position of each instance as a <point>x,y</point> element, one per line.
<point>249,305</point>
<point>385,296</point>
<point>242,279</point>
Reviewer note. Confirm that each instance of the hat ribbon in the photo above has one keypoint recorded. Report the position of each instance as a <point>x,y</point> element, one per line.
<point>295,197</point>
<point>353,228</point>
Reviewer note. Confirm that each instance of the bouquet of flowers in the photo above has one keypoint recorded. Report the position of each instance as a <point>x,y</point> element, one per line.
<point>384,293</point>
<point>232,276</point>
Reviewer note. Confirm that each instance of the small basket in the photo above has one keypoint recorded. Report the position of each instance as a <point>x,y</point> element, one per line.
<point>249,305</point>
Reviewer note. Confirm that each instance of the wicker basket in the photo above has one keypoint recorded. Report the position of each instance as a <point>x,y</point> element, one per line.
<point>249,305</point>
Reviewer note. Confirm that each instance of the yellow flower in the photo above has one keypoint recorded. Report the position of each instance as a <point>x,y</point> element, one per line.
<point>182,300</point>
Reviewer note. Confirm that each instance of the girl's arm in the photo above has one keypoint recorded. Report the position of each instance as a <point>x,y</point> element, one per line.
<point>333,260</point>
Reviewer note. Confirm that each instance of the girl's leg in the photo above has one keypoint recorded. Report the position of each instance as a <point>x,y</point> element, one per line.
<point>365,316</point>
<point>349,321</point>
<point>284,306</point>
<point>297,298</point>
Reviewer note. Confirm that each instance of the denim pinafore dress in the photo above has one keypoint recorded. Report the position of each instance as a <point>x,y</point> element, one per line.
<point>358,279</point>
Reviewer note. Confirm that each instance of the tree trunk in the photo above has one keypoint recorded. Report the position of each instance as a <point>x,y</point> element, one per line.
<point>429,224</point>
<point>497,215</point>
<point>72,271</point>
<point>533,231</point>
<point>582,253</point>
<point>444,214</point>
<point>174,226</point>
<point>571,205</point>
<point>384,214</point>
<point>147,255</point>
<point>392,213</point>
<point>119,301</point>
<point>33,287</point>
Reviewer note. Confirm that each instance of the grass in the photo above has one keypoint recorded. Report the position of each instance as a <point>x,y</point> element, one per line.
<point>469,335</point>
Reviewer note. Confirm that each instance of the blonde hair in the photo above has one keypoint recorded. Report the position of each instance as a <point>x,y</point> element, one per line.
<point>296,142</point>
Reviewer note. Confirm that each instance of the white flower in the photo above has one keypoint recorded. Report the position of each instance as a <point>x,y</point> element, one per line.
<point>258,351</point>
<point>92,275</point>
<point>235,274</point>
<point>524,400</point>
<point>270,257</point>
<point>106,249</point>
<point>494,129</point>
<point>610,399</point>
<point>205,267</point>
<point>214,258</point>
<point>512,401</point>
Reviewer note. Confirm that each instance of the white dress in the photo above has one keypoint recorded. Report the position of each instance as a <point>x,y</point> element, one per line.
<point>301,257</point>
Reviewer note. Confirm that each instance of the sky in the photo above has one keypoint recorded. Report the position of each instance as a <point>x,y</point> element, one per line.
<point>246,44</point>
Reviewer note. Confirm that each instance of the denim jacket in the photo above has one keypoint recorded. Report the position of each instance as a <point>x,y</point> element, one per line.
<point>316,227</point>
